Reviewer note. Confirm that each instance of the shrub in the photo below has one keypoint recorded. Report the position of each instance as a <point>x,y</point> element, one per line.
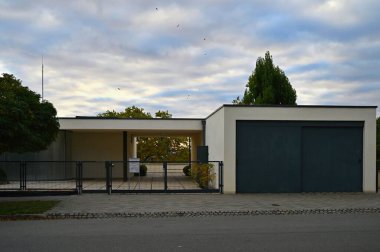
<point>143,171</point>
<point>203,174</point>
<point>187,170</point>
<point>3,177</point>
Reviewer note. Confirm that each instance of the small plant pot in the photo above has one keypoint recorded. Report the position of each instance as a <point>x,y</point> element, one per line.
<point>143,171</point>
<point>187,170</point>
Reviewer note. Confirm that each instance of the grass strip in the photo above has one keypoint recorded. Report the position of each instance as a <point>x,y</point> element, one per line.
<point>26,207</point>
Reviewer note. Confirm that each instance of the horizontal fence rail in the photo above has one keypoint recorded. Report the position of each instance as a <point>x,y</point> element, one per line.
<point>110,176</point>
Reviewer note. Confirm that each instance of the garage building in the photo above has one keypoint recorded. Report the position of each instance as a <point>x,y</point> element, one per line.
<point>275,149</point>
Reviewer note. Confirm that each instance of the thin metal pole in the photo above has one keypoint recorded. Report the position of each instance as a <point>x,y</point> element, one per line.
<point>165,176</point>
<point>21,176</point>
<point>221,177</point>
<point>42,77</point>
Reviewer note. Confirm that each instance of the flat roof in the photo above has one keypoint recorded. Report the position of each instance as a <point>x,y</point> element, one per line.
<point>224,105</point>
<point>288,106</point>
<point>118,118</point>
<point>141,125</point>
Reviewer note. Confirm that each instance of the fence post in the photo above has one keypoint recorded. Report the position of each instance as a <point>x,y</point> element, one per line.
<point>221,177</point>
<point>166,176</point>
<point>109,177</point>
<point>79,177</point>
<point>20,173</point>
<point>23,175</point>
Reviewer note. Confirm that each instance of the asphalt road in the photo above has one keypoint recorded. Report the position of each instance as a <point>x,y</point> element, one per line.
<point>347,232</point>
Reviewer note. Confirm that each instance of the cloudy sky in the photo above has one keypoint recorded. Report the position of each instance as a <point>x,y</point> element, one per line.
<point>189,57</point>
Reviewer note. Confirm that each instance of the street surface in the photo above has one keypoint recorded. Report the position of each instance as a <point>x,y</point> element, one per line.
<point>329,232</point>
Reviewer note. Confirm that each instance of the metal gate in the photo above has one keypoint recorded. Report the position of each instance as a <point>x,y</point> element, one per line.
<point>58,177</point>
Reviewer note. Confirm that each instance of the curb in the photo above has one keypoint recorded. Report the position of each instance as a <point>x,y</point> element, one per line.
<point>56,216</point>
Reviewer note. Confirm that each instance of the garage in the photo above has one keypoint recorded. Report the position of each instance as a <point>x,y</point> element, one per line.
<point>299,156</point>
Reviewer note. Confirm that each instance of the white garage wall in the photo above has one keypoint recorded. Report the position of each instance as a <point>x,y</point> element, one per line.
<point>215,135</point>
<point>300,113</point>
<point>215,140</point>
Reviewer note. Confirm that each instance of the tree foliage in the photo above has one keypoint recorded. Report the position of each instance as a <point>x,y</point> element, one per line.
<point>129,112</point>
<point>156,148</point>
<point>27,124</point>
<point>268,84</point>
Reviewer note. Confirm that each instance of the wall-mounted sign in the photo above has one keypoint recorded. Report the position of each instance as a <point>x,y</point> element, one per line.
<point>134,165</point>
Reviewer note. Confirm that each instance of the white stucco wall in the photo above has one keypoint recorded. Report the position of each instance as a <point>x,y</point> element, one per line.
<point>234,113</point>
<point>97,146</point>
<point>215,136</point>
<point>59,150</point>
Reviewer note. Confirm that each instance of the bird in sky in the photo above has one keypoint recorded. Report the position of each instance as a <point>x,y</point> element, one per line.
<point>157,9</point>
<point>118,88</point>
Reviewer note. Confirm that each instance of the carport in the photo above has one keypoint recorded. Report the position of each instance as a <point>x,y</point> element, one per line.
<point>99,139</point>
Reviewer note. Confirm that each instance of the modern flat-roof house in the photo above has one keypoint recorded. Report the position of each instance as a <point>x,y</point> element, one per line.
<point>263,148</point>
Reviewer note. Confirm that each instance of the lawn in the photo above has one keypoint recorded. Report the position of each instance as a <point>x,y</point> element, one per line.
<point>26,207</point>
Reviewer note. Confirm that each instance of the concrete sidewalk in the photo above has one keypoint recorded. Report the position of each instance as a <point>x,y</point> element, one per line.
<point>129,204</point>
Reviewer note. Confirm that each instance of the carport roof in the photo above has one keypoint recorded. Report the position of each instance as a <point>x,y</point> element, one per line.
<point>173,125</point>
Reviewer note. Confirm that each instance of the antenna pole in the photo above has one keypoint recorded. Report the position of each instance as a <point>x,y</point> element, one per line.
<point>42,77</point>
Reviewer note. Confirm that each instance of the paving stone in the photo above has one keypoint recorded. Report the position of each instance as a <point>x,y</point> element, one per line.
<point>164,205</point>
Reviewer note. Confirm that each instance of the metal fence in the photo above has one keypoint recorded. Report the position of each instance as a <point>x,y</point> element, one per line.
<point>110,176</point>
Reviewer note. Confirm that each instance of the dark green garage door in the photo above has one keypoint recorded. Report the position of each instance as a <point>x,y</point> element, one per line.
<point>298,156</point>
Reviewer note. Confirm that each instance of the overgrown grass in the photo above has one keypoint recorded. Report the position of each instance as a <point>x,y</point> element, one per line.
<point>26,207</point>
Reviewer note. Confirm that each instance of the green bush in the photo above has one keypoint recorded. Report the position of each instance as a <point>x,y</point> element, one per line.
<point>3,177</point>
<point>203,174</point>
<point>187,170</point>
<point>143,171</point>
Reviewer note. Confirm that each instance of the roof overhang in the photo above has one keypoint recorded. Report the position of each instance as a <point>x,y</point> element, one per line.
<point>138,126</point>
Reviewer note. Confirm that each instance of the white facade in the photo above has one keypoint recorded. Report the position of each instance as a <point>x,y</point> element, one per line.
<point>103,139</point>
<point>222,145</point>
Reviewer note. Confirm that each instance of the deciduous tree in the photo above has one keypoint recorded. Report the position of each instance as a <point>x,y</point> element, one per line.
<point>27,123</point>
<point>154,148</point>
<point>268,84</point>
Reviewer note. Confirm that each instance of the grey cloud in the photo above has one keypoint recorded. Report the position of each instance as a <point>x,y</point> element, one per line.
<point>91,48</point>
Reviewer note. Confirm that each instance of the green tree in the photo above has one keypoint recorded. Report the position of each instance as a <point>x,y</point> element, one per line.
<point>26,123</point>
<point>162,148</point>
<point>268,84</point>
<point>129,112</point>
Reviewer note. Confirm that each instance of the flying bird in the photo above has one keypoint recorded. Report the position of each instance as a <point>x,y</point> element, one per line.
<point>177,25</point>
<point>118,88</point>
<point>156,8</point>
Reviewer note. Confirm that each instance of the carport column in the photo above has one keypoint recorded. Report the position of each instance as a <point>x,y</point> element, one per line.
<point>196,140</point>
<point>126,147</point>
<point>134,147</point>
